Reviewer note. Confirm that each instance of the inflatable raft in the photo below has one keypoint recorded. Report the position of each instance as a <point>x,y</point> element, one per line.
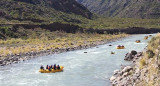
<point>52,70</point>
<point>120,47</point>
<point>138,41</point>
<point>146,37</point>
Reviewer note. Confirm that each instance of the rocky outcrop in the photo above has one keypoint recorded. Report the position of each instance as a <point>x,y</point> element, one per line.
<point>128,75</point>
<point>67,6</point>
<point>145,70</point>
<point>132,56</point>
<point>120,77</point>
<point>124,8</point>
<point>129,56</point>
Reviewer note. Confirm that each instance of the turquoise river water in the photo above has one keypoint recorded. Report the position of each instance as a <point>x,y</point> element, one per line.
<point>93,68</point>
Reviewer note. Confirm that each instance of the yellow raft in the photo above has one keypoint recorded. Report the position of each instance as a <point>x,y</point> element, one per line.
<point>52,70</point>
<point>120,47</point>
<point>138,41</point>
<point>146,37</point>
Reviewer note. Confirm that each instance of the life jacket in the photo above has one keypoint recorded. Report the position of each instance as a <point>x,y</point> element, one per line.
<point>48,67</point>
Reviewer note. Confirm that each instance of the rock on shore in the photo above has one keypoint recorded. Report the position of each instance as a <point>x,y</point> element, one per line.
<point>129,56</point>
<point>128,75</point>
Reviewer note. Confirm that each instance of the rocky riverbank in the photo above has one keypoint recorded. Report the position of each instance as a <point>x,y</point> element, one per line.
<point>26,56</point>
<point>145,70</point>
<point>128,75</point>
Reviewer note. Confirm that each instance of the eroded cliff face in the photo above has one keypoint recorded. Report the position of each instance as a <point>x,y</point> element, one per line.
<point>124,8</point>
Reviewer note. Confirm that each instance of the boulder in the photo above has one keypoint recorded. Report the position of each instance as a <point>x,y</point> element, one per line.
<point>127,69</point>
<point>137,70</point>
<point>112,78</point>
<point>119,78</point>
<point>125,74</point>
<point>15,59</point>
<point>138,54</point>
<point>1,62</point>
<point>133,52</point>
<point>110,45</point>
<point>129,56</point>
<point>115,82</point>
<point>116,72</point>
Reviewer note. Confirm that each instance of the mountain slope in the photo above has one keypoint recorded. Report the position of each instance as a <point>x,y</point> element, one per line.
<point>124,8</point>
<point>69,6</point>
<point>43,10</point>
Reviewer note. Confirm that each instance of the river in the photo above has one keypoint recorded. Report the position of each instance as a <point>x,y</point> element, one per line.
<point>93,68</point>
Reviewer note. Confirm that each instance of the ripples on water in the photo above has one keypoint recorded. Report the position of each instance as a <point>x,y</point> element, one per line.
<point>80,69</point>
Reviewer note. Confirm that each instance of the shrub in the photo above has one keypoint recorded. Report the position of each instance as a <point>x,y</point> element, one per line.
<point>150,53</point>
<point>142,63</point>
<point>153,39</point>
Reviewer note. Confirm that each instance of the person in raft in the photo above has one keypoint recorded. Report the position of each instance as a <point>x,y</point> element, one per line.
<point>54,66</point>
<point>58,67</point>
<point>51,66</point>
<point>42,67</point>
<point>47,67</point>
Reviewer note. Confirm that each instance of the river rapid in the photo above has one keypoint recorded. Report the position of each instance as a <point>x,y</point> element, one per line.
<point>93,68</point>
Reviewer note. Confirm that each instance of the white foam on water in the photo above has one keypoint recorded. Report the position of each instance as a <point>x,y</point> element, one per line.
<point>94,52</point>
<point>37,72</point>
<point>22,83</point>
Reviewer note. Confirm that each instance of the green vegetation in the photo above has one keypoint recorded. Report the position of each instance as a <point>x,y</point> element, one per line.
<point>22,12</point>
<point>149,53</point>
<point>125,8</point>
<point>102,23</point>
<point>38,12</point>
<point>45,40</point>
<point>151,62</point>
<point>37,25</point>
<point>142,63</point>
<point>121,23</point>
